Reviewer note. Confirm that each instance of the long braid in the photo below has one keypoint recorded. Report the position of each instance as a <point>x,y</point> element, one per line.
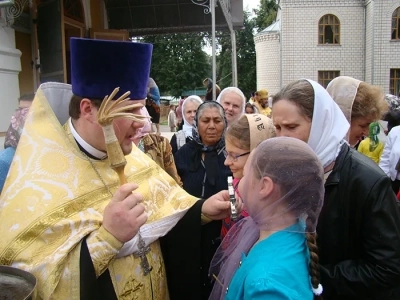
<point>313,248</point>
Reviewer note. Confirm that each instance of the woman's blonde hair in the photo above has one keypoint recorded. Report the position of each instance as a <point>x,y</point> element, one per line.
<point>369,102</point>
<point>239,134</point>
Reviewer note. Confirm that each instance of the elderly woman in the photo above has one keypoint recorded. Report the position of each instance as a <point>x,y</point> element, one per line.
<point>189,108</point>
<point>361,104</point>
<point>359,225</point>
<point>233,101</point>
<point>200,164</point>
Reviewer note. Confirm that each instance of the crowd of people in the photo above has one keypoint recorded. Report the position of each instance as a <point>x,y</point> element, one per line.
<point>314,188</point>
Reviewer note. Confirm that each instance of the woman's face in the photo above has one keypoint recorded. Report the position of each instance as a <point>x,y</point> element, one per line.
<point>289,121</point>
<point>211,126</point>
<point>233,105</point>
<point>359,128</point>
<point>249,110</point>
<point>233,151</point>
<point>190,111</point>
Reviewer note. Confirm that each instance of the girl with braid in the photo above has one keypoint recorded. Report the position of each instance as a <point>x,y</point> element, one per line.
<point>272,253</point>
<point>359,225</point>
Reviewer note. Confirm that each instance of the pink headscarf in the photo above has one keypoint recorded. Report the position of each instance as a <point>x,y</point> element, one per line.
<point>179,110</point>
<point>15,129</point>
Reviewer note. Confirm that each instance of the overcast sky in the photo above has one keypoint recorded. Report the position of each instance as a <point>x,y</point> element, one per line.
<point>250,4</point>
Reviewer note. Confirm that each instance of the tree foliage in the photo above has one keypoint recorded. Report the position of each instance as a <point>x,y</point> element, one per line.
<point>179,62</point>
<point>265,14</point>
<point>245,61</point>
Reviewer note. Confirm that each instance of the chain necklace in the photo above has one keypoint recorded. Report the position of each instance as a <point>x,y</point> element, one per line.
<point>143,248</point>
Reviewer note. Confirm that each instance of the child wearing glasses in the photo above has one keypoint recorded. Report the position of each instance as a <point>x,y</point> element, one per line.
<point>240,139</point>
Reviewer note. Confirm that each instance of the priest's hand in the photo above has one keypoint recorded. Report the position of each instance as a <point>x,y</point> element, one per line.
<point>124,215</point>
<point>217,207</point>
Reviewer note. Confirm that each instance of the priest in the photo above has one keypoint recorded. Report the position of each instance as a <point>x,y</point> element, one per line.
<point>64,217</point>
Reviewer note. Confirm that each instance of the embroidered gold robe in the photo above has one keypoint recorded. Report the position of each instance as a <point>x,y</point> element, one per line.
<point>53,198</point>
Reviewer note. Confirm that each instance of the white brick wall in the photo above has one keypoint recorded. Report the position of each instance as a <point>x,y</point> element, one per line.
<point>386,54</point>
<point>268,62</point>
<point>365,51</point>
<point>301,54</point>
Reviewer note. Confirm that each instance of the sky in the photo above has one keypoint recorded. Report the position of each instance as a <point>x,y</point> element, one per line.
<point>250,4</point>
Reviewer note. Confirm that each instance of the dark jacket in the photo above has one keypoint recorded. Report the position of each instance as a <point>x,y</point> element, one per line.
<point>188,249</point>
<point>359,231</point>
<point>194,180</point>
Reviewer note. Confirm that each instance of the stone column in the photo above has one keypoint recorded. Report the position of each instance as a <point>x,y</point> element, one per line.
<point>10,66</point>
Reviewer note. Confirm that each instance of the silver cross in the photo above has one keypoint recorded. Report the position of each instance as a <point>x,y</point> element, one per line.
<point>143,250</point>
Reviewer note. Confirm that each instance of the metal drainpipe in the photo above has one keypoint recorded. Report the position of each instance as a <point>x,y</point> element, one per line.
<point>214,63</point>
<point>365,41</point>
<point>280,44</point>
<point>280,56</point>
<point>373,43</point>
<point>234,59</point>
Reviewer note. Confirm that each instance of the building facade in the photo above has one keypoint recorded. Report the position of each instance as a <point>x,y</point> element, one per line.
<point>34,44</point>
<point>323,39</point>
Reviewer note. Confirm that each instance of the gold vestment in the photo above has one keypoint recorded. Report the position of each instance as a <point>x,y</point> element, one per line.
<point>53,198</point>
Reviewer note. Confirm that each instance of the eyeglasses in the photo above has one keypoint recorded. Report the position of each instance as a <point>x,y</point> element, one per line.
<point>235,158</point>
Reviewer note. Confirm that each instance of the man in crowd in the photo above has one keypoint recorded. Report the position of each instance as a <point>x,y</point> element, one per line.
<point>261,102</point>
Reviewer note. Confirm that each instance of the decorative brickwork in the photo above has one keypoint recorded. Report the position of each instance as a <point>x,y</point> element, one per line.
<point>366,50</point>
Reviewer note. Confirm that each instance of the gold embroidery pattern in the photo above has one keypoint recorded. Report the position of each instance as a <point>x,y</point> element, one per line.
<point>52,199</point>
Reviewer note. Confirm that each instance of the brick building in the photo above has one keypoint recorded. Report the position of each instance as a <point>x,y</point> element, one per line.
<point>322,39</point>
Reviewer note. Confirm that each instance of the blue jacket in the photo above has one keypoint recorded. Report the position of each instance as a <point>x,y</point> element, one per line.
<point>6,157</point>
<point>275,269</point>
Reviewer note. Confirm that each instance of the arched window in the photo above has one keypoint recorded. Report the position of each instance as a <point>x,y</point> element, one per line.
<point>396,24</point>
<point>329,30</point>
<point>74,10</point>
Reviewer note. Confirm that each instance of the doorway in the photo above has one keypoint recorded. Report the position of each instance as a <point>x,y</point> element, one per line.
<point>71,29</point>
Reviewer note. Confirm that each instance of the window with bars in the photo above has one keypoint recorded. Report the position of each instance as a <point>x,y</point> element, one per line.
<point>329,30</point>
<point>394,86</point>
<point>396,24</point>
<point>324,77</point>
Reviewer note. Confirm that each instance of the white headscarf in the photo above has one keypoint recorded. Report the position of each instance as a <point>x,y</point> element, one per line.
<point>187,128</point>
<point>328,127</point>
<point>236,91</point>
<point>343,90</point>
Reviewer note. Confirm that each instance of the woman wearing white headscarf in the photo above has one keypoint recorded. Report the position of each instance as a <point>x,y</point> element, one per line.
<point>359,225</point>
<point>233,101</point>
<point>189,109</point>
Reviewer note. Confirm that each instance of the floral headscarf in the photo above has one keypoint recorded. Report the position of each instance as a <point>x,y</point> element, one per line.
<point>195,131</point>
<point>374,130</point>
<point>210,161</point>
<point>15,129</point>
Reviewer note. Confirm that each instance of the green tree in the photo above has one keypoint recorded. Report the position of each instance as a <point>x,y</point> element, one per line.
<point>246,58</point>
<point>265,14</point>
<point>178,62</point>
